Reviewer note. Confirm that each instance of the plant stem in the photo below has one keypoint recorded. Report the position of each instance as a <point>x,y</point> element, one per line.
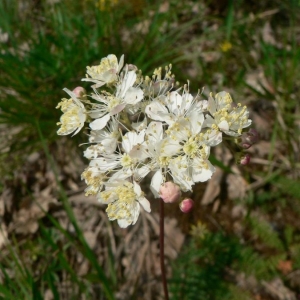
<point>161,248</point>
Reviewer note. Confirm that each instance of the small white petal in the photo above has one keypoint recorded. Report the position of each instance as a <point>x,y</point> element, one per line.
<point>123,223</point>
<point>131,139</point>
<point>154,132</point>
<point>145,204</point>
<point>201,174</point>
<point>196,121</point>
<point>155,110</point>
<point>141,172</point>
<point>211,105</point>
<point>201,106</point>
<point>139,152</point>
<point>133,95</point>
<point>209,121</point>
<point>169,147</point>
<point>100,123</point>
<point>175,102</point>
<point>117,109</point>
<point>137,189</point>
<point>120,175</point>
<point>121,63</point>
<point>135,213</point>
<point>223,125</point>
<point>213,138</point>
<point>127,82</point>
<point>156,182</point>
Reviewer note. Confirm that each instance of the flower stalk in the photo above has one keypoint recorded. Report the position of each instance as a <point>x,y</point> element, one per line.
<point>162,249</point>
<point>142,125</point>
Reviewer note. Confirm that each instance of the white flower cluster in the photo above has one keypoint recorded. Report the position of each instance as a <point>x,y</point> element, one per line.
<point>141,125</point>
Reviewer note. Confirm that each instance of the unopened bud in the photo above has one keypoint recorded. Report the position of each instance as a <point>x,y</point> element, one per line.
<point>245,160</point>
<point>170,192</point>
<point>79,91</point>
<point>186,205</point>
<point>131,67</point>
<point>249,138</point>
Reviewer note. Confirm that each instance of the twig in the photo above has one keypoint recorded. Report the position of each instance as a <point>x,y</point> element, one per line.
<point>161,248</point>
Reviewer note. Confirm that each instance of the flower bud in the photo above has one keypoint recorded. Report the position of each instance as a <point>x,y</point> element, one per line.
<point>131,67</point>
<point>170,192</point>
<point>79,91</point>
<point>249,138</point>
<point>186,205</point>
<point>245,160</point>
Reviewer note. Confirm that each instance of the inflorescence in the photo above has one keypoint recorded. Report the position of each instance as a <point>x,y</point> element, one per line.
<point>141,126</point>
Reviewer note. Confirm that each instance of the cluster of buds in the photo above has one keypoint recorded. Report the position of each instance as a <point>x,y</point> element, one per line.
<point>170,193</point>
<point>146,126</point>
<point>245,141</point>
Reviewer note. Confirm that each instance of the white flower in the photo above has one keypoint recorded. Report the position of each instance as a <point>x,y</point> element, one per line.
<point>211,137</point>
<point>186,170</point>
<point>159,150</point>
<point>237,120</point>
<point>126,91</point>
<point>74,115</point>
<point>179,170</point>
<point>122,164</point>
<point>221,101</point>
<point>227,119</point>
<point>173,107</point>
<point>201,168</point>
<point>124,200</point>
<point>106,141</point>
<point>170,108</point>
<point>197,152</point>
<point>106,72</point>
<point>94,179</point>
<point>191,163</point>
<point>187,127</point>
<point>126,94</point>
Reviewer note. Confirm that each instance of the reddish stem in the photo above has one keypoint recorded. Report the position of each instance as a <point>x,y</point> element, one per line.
<point>161,248</point>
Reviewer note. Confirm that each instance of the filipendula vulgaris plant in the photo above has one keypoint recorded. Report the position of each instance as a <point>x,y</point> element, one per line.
<point>139,126</point>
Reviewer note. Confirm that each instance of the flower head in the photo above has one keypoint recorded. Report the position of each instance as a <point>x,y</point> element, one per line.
<point>231,120</point>
<point>113,104</point>
<point>74,115</point>
<point>106,72</point>
<point>144,126</point>
<point>124,200</point>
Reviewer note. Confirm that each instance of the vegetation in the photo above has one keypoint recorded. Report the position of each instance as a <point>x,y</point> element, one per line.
<point>242,240</point>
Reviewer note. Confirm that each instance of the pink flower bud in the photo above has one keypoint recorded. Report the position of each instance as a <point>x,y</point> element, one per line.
<point>186,205</point>
<point>79,91</point>
<point>245,160</point>
<point>170,192</point>
<point>249,138</point>
<point>131,67</point>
